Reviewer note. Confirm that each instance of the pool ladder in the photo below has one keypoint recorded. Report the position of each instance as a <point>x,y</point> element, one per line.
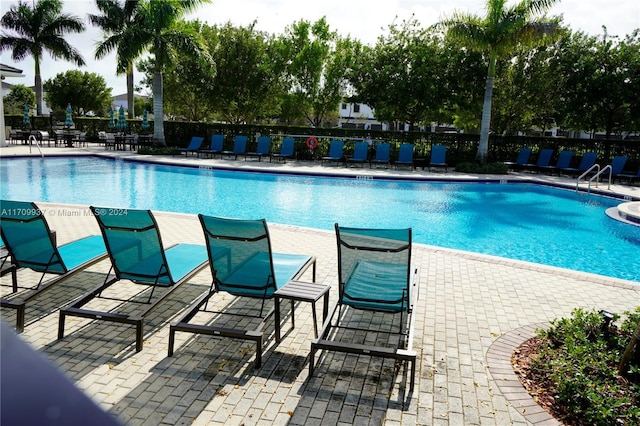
<point>596,176</point>
<point>33,139</point>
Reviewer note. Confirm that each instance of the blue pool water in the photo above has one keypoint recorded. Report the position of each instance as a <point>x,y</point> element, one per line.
<point>518,221</point>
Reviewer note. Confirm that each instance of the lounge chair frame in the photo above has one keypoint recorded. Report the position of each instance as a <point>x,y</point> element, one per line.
<point>543,161</point>
<point>404,352</point>
<point>193,147</point>
<point>239,147</point>
<point>405,156</point>
<point>215,146</point>
<point>523,158</point>
<point>287,150</point>
<point>336,152</point>
<point>438,157</point>
<point>382,155</point>
<point>76,307</point>
<point>255,335</point>
<point>360,154</point>
<point>263,149</point>
<point>46,268</point>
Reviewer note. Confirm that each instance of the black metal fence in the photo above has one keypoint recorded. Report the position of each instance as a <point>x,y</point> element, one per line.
<point>460,147</point>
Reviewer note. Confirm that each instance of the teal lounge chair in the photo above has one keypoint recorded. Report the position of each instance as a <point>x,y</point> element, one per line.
<point>588,160</point>
<point>564,160</point>
<point>239,147</point>
<point>382,154</point>
<point>374,274</point>
<point>544,159</point>
<point>438,157</point>
<point>250,270</point>
<point>286,150</point>
<point>523,158</point>
<point>137,254</point>
<point>336,149</point>
<point>263,149</point>
<point>630,177</point>
<point>216,146</point>
<point>405,156</point>
<point>360,154</point>
<point>31,244</point>
<point>10,268</point>
<point>617,166</point>
<point>193,147</point>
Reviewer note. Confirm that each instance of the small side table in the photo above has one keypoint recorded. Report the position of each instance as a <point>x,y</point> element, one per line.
<point>301,291</point>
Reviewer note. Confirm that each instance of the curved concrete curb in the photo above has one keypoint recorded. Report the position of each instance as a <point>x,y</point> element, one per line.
<point>499,362</point>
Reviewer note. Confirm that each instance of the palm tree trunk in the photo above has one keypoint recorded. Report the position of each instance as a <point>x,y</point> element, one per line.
<point>130,98</point>
<point>38,88</point>
<point>483,146</point>
<point>158,114</point>
<point>485,124</point>
<point>629,351</point>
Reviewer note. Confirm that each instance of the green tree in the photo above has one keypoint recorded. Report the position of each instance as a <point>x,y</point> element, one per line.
<point>401,77</point>
<point>186,82</point>
<point>497,34</point>
<point>18,96</point>
<point>526,98</point>
<point>85,92</point>
<point>463,74</point>
<point>249,81</point>
<point>317,67</point>
<point>116,17</point>
<point>159,29</point>
<point>600,87</point>
<point>34,30</point>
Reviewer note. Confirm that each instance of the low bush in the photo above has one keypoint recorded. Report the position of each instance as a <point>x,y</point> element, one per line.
<point>488,168</point>
<point>577,363</point>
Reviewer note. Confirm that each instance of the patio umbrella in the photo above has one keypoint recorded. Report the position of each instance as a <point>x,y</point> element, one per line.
<point>145,121</point>
<point>112,119</point>
<point>122,120</point>
<point>26,121</point>
<point>68,120</point>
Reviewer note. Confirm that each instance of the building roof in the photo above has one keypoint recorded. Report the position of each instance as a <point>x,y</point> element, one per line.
<point>9,71</point>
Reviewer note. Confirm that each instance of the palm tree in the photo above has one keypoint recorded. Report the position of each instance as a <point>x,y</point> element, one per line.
<point>160,30</point>
<point>498,34</point>
<point>116,17</point>
<point>38,29</point>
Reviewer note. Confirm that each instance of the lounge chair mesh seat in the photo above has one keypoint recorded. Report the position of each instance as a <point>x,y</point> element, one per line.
<point>544,158</point>
<point>262,150</point>
<point>587,161</point>
<point>336,149</point>
<point>523,158</point>
<point>193,147</point>
<point>286,150</point>
<point>360,153</point>
<point>438,157</point>
<point>382,154</point>
<point>242,264</point>
<point>564,159</point>
<point>137,254</point>
<point>405,155</point>
<point>215,147</point>
<point>375,274</point>
<point>31,244</point>
<point>239,147</point>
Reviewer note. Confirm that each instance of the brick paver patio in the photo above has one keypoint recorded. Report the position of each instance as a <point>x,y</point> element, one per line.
<point>471,309</point>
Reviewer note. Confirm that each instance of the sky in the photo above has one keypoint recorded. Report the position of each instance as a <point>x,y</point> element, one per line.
<point>364,20</point>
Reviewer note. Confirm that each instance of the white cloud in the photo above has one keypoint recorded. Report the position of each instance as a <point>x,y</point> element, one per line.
<point>361,19</point>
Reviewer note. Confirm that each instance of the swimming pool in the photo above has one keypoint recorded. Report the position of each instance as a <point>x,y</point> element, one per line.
<point>519,221</point>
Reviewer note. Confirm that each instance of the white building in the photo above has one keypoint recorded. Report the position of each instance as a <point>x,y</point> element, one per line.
<point>358,116</point>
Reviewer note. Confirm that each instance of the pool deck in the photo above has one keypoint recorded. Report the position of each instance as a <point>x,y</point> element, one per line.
<point>472,311</point>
